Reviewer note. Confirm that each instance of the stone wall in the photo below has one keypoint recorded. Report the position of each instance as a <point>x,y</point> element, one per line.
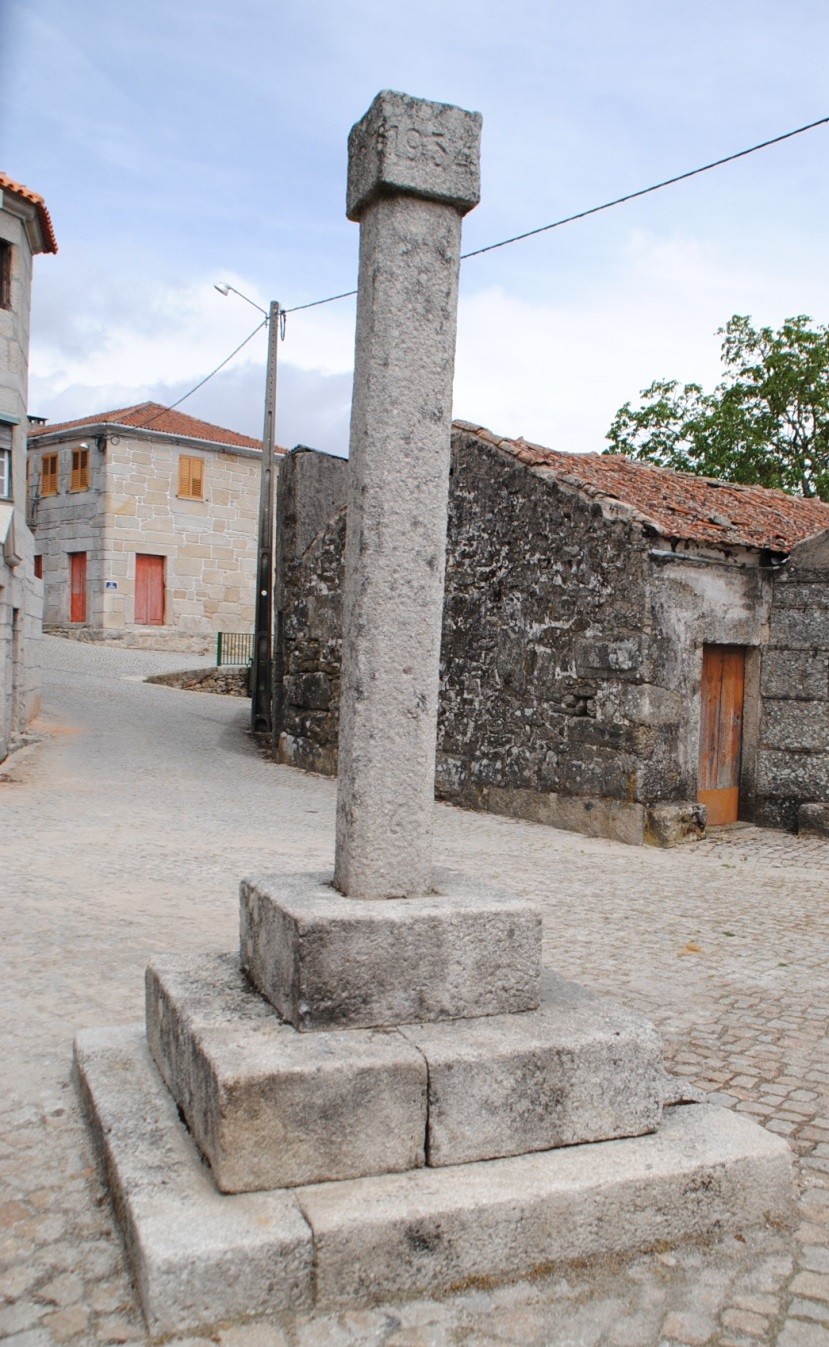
<point>551,705</point>
<point>133,506</point>
<point>21,595</point>
<point>793,758</point>
<point>310,550</point>
<point>572,653</point>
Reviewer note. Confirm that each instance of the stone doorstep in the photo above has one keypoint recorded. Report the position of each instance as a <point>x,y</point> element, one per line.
<point>201,1258</point>
<point>272,1108</point>
<point>326,961</point>
<point>269,1107</point>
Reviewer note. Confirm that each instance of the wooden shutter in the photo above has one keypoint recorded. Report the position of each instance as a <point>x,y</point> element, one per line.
<point>49,475</point>
<point>196,478</point>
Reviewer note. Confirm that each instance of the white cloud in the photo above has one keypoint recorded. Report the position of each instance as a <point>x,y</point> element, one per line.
<point>554,371</point>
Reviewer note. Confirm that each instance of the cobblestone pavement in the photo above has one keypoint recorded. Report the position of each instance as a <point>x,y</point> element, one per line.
<point>125,832</point>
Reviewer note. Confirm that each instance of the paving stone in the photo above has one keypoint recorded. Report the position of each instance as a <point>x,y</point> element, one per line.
<point>177,804</point>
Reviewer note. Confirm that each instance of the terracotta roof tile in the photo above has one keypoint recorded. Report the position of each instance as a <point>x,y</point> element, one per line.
<point>8,184</point>
<point>678,505</point>
<point>153,416</point>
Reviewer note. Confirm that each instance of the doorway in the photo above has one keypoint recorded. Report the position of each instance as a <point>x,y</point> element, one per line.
<point>77,586</point>
<point>721,731</point>
<point>149,590</point>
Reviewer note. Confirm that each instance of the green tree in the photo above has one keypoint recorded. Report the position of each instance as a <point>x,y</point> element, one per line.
<point>766,423</point>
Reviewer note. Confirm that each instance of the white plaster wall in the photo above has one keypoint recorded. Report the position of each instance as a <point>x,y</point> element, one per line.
<point>696,603</point>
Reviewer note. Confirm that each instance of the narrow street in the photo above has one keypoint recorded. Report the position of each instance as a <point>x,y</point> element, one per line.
<point>125,831</point>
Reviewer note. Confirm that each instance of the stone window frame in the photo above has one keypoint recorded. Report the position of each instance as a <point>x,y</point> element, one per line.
<point>5,462</point>
<point>80,469</point>
<point>49,468</point>
<point>6,250</point>
<point>190,482</point>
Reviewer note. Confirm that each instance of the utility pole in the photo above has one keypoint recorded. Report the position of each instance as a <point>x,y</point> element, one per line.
<point>261,704</point>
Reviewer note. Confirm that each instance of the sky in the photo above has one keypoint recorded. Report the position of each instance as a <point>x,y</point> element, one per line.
<point>182,143</point>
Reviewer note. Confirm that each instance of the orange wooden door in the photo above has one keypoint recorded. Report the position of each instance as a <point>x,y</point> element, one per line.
<point>77,586</point>
<point>149,590</point>
<point>721,731</point>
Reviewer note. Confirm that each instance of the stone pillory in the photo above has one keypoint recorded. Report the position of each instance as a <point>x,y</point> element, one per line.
<point>413,173</point>
<point>390,1099</point>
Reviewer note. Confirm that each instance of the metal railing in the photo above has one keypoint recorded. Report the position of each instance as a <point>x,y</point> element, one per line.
<point>234,647</point>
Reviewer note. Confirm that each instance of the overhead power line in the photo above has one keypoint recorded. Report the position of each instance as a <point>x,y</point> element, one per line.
<point>203,381</point>
<point>531,233</point>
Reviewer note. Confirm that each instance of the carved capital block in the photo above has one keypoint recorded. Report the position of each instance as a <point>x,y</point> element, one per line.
<point>411,147</point>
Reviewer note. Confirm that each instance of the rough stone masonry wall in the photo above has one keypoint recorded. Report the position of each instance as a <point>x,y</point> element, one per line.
<point>793,753</point>
<point>548,676</point>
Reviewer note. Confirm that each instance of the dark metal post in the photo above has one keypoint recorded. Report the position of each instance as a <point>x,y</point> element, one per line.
<point>261,709</point>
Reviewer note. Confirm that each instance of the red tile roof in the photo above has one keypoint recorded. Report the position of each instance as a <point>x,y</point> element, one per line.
<point>7,184</point>
<point>152,416</point>
<point>677,505</point>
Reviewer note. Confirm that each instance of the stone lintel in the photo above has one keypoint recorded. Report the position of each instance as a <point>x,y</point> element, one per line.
<point>198,1258</point>
<point>580,1068</point>
<point>325,960</point>
<point>410,146</point>
<point>268,1107</point>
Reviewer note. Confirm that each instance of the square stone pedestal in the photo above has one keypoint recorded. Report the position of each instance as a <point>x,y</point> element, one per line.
<point>272,1108</point>
<point>326,961</point>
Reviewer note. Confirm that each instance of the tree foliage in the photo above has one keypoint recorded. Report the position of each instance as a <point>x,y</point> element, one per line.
<point>766,423</point>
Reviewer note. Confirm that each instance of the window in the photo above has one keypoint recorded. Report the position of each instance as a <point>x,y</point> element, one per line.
<point>49,475</point>
<point>5,274</point>
<point>191,478</point>
<point>5,462</point>
<point>39,568</point>
<point>80,470</point>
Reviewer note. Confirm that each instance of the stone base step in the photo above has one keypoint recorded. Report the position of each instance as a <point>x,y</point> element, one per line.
<point>200,1257</point>
<point>272,1108</point>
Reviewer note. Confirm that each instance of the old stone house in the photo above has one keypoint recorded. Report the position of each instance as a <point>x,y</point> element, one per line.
<point>145,524</point>
<point>25,229</point>
<point>621,643</point>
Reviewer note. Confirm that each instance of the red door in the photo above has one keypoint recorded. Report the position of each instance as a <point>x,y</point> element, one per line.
<point>149,590</point>
<point>721,731</point>
<point>77,586</point>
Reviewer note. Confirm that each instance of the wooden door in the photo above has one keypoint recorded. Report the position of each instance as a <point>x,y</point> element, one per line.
<point>149,590</point>
<point>77,586</point>
<point>721,731</point>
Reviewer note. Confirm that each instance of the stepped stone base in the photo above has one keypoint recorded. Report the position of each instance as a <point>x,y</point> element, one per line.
<point>326,961</point>
<point>272,1108</point>
<point>200,1257</point>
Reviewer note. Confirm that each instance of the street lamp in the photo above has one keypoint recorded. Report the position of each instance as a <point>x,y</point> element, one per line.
<point>261,702</point>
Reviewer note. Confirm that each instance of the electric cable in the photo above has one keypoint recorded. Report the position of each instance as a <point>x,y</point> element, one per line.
<point>518,238</point>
